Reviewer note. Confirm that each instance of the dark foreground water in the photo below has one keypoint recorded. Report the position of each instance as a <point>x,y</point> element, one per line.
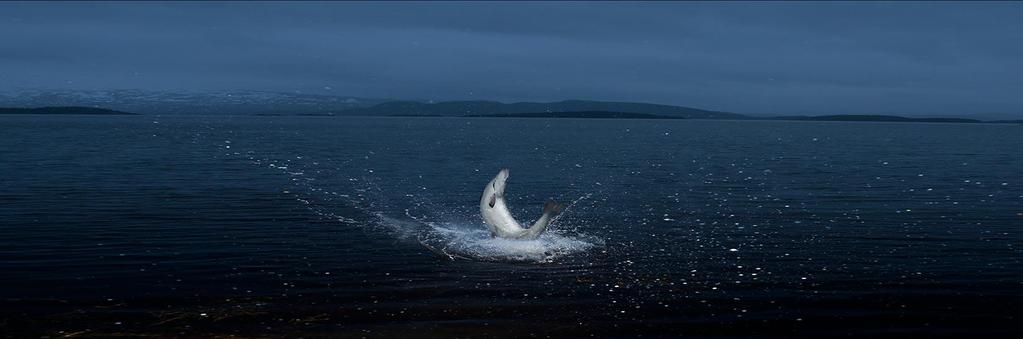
<point>326,226</point>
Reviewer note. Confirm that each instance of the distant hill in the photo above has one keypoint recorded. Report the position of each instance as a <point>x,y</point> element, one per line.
<point>493,108</point>
<point>285,104</point>
<point>580,115</point>
<point>63,110</point>
<point>157,102</point>
<point>883,118</point>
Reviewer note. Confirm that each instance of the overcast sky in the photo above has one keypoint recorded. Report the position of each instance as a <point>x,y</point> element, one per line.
<point>943,58</point>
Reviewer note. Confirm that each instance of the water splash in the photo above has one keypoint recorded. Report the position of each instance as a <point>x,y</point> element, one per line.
<point>473,242</point>
<point>443,231</point>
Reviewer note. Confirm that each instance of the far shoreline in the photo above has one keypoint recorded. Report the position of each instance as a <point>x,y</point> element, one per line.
<point>62,110</point>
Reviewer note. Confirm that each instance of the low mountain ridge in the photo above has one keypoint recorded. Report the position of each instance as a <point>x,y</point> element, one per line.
<point>218,103</point>
<point>62,110</point>
<point>869,117</point>
<point>246,102</point>
<point>483,108</point>
<point>577,115</point>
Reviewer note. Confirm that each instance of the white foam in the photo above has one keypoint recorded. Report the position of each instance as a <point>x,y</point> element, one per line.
<point>471,241</point>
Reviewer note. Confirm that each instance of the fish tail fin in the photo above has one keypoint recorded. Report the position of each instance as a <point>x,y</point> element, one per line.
<point>552,207</point>
<point>549,210</point>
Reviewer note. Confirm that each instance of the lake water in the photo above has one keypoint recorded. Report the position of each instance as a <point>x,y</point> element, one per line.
<point>332,226</point>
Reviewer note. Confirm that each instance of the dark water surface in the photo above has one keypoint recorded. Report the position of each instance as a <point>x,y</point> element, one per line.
<point>328,226</point>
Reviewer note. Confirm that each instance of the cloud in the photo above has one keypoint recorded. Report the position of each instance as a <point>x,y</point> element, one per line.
<point>770,58</point>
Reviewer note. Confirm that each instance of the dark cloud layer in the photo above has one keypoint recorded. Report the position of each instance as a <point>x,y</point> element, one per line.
<point>942,58</point>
